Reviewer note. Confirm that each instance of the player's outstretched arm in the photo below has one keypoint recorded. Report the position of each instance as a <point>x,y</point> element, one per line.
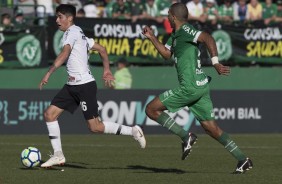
<point>107,75</point>
<point>221,69</point>
<point>208,40</point>
<point>61,58</point>
<point>148,32</point>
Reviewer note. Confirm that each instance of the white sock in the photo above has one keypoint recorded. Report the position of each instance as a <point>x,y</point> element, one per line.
<point>114,128</point>
<point>55,135</point>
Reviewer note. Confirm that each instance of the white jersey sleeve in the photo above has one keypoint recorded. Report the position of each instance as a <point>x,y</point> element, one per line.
<point>90,42</point>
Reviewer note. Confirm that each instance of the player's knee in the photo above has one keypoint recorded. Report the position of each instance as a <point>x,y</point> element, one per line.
<point>48,116</point>
<point>95,128</point>
<point>149,111</point>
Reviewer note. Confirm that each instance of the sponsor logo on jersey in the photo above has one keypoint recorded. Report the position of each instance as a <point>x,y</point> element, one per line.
<point>202,82</point>
<point>189,31</point>
<point>199,71</point>
<point>71,78</point>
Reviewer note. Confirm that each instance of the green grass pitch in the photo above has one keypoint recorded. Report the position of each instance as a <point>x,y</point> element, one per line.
<point>119,160</point>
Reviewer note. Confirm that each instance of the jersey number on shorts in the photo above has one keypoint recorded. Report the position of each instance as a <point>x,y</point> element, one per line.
<point>83,106</point>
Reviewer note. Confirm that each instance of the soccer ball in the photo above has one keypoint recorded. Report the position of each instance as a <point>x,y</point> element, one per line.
<point>30,157</point>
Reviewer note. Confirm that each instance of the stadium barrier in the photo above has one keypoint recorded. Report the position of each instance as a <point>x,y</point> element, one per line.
<point>237,44</point>
<point>21,111</point>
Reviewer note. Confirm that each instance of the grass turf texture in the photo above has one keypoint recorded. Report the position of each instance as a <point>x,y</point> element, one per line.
<point>118,159</point>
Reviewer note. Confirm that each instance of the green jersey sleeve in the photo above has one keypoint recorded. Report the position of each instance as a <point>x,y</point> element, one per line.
<point>169,43</point>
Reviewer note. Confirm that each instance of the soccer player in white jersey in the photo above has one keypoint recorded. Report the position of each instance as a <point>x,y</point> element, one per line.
<point>81,87</point>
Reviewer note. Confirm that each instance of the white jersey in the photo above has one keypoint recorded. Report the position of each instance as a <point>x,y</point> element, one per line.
<point>77,64</point>
<point>195,10</point>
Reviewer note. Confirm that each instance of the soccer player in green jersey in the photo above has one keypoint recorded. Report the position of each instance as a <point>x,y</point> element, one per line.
<point>193,89</point>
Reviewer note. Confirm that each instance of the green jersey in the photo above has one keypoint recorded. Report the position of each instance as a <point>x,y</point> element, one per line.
<point>123,79</point>
<point>268,11</point>
<point>184,47</point>
<point>225,10</point>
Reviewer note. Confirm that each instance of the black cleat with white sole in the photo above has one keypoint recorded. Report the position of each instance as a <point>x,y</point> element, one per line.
<point>187,146</point>
<point>243,166</point>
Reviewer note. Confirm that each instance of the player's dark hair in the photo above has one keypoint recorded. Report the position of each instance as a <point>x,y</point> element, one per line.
<point>180,11</point>
<point>66,9</point>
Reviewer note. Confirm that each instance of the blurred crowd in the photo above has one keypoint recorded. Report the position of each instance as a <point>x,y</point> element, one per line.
<point>18,14</point>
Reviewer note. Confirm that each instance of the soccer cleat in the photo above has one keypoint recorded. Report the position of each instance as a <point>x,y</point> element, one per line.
<point>243,166</point>
<point>138,135</point>
<point>56,159</point>
<point>187,146</point>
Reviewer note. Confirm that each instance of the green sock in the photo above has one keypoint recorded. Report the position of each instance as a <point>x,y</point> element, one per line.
<point>231,146</point>
<point>166,121</point>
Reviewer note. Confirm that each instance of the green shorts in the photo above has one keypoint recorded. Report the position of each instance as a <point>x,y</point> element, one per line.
<point>198,101</point>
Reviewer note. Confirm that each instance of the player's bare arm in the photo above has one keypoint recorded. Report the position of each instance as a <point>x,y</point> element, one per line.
<point>107,75</point>
<point>61,58</point>
<point>208,40</point>
<point>148,32</point>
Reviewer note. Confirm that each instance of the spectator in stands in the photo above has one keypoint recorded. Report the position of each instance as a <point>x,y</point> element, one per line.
<point>123,78</point>
<point>108,12</point>
<point>76,3</point>
<point>269,11</point>
<point>196,11</point>
<point>137,10</point>
<point>152,11</point>
<point>225,12</point>
<point>102,6</point>
<point>80,13</point>
<point>7,4</point>
<point>121,10</point>
<point>6,22</point>
<point>163,6</point>
<point>28,7</point>
<point>254,11</point>
<point>91,10</point>
<point>45,8</point>
<point>210,12</point>
<point>240,11</point>
<point>278,17</point>
<point>19,21</point>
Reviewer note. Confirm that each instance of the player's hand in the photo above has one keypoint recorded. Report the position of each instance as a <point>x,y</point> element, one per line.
<point>221,69</point>
<point>148,32</point>
<point>108,78</point>
<point>44,80</point>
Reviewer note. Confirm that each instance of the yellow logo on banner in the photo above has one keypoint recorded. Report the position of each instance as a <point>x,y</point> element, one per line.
<point>121,46</point>
<point>1,57</point>
<point>265,48</point>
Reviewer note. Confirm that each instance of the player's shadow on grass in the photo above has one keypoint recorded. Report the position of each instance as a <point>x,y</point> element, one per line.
<point>140,168</point>
<point>76,165</point>
<point>156,170</point>
<point>130,167</point>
